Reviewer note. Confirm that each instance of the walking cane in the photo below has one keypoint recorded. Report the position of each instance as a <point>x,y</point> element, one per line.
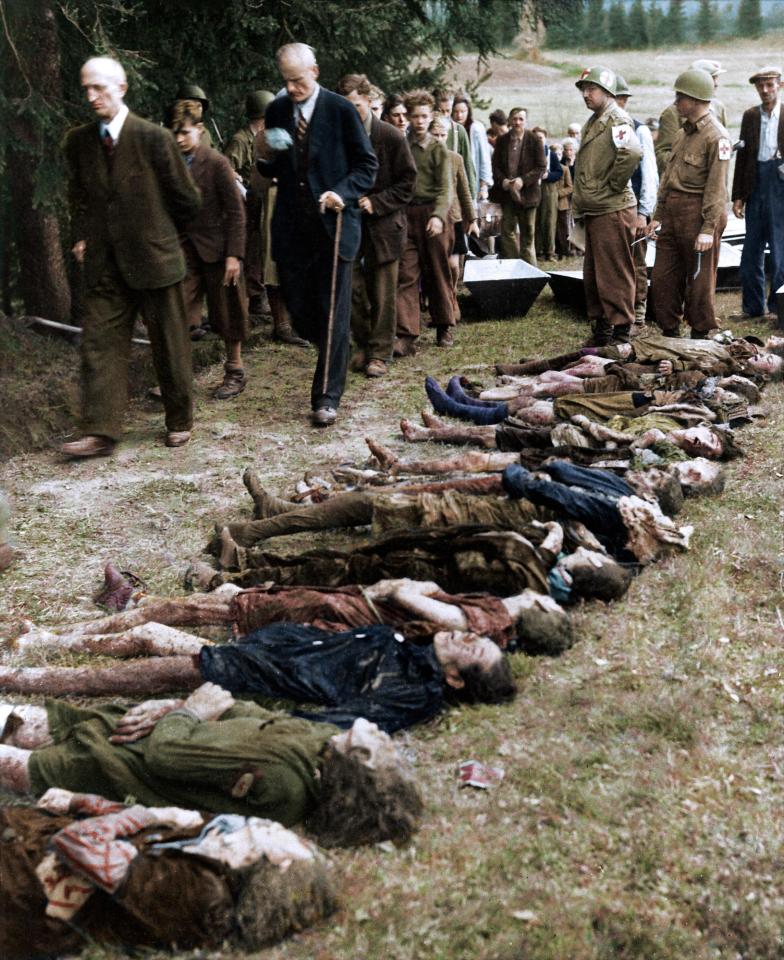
<point>332,293</point>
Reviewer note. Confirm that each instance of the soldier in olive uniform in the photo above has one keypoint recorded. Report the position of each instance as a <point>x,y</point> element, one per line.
<point>604,200</point>
<point>241,152</point>
<point>670,121</point>
<point>692,210</point>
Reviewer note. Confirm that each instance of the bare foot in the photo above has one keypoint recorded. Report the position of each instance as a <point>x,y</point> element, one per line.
<point>431,421</point>
<point>384,455</point>
<point>201,576</point>
<point>413,432</point>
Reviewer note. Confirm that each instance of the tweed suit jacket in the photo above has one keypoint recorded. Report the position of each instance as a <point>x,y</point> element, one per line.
<point>339,158</point>
<point>531,167</point>
<point>218,229</point>
<point>745,176</point>
<point>385,228</point>
<point>131,210</point>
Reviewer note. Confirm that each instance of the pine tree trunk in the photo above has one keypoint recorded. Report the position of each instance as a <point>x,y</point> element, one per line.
<point>33,71</point>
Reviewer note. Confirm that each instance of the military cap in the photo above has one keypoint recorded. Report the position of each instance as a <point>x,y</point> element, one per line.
<point>697,84</point>
<point>713,67</point>
<point>256,103</point>
<point>600,76</point>
<point>621,87</point>
<point>766,73</point>
<point>190,91</point>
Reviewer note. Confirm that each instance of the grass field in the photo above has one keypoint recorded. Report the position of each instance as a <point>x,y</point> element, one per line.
<point>640,814</point>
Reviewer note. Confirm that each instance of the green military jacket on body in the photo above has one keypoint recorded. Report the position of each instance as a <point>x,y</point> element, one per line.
<point>609,154</point>
<point>188,763</point>
<point>241,153</point>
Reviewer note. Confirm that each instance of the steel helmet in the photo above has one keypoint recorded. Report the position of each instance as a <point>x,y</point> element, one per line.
<point>695,83</point>
<point>256,103</point>
<point>190,91</point>
<point>621,87</point>
<point>600,76</point>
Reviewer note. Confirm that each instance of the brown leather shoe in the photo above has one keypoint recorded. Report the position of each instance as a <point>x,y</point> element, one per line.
<point>234,382</point>
<point>376,368</point>
<point>444,337</point>
<point>285,333</point>
<point>357,362</point>
<point>177,438</point>
<point>404,347</point>
<point>89,446</point>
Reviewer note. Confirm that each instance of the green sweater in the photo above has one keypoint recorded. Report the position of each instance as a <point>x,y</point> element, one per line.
<point>186,762</point>
<point>434,177</point>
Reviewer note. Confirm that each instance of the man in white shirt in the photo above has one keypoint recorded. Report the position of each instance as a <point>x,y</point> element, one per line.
<point>758,192</point>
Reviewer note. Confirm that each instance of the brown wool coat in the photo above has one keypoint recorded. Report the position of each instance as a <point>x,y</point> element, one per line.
<point>218,229</point>
<point>391,193</point>
<point>746,163</point>
<point>531,167</point>
<point>133,210</point>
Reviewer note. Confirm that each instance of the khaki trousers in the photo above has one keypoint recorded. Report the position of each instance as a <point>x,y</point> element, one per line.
<point>512,217</point>
<point>676,293</point>
<point>426,258</point>
<point>110,310</point>
<point>608,267</point>
<point>546,220</point>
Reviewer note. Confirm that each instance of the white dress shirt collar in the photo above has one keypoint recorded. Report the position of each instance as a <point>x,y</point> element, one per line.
<point>115,125</point>
<point>306,107</point>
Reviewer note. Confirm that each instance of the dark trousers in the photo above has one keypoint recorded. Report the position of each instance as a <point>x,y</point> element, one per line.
<point>373,306</point>
<point>306,284</point>
<point>608,268</point>
<point>425,258</point>
<point>227,306</point>
<point>676,293</point>
<point>764,224</point>
<point>110,309</point>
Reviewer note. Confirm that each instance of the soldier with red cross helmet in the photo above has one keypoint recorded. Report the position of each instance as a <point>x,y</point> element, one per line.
<point>691,209</point>
<point>603,200</point>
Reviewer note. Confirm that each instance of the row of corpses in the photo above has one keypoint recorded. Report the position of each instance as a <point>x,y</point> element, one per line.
<point>583,462</point>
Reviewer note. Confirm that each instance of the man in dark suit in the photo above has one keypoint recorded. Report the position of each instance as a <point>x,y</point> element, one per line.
<point>758,191</point>
<point>383,234</point>
<point>519,163</point>
<point>129,189</point>
<point>214,247</point>
<point>316,227</point>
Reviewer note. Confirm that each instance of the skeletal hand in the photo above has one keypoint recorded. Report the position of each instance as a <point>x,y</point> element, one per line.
<point>209,702</point>
<point>140,720</point>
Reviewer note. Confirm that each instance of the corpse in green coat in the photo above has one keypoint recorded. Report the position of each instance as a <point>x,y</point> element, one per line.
<point>187,762</point>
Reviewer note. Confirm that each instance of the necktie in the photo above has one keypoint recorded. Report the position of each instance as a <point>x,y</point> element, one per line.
<point>108,146</point>
<point>302,127</point>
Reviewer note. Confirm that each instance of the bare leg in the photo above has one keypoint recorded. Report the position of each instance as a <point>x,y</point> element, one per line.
<point>478,436</point>
<point>14,775</point>
<point>25,726</point>
<point>198,610</point>
<point>146,640</point>
<point>473,461</point>
<point>155,676</point>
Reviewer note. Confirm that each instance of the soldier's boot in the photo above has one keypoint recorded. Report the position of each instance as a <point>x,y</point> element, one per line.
<point>259,306</point>
<point>621,333</point>
<point>282,330</point>
<point>601,335</point>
